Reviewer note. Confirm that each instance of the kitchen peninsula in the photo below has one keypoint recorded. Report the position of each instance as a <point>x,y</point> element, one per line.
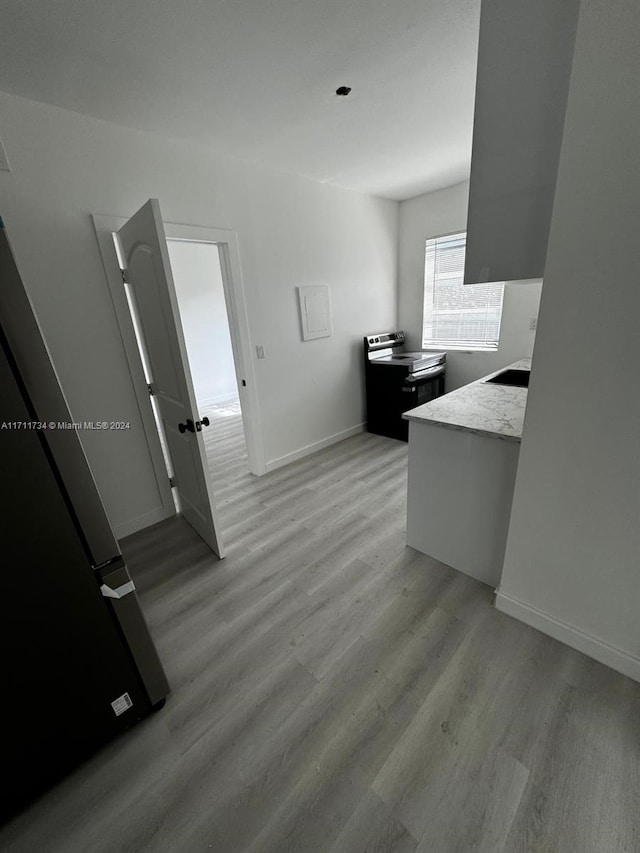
<point>463,457</point>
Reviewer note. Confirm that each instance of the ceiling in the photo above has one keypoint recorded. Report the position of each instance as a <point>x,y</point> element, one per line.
<point>257,79</point>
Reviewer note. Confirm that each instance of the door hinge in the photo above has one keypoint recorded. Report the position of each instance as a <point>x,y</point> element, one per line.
<point>150,389</point>
<point>172,482</point>
<point>125,277</point>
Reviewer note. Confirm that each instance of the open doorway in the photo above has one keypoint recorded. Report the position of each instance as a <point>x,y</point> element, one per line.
<point>198,278</point>
<point>236,422</point>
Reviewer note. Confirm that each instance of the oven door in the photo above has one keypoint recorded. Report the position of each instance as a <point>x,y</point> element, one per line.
<point>424,386</point>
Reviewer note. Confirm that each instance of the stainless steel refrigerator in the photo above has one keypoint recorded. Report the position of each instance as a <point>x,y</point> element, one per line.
<point>78,662</point>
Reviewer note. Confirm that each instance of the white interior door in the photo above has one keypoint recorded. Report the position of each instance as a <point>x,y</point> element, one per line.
<point>144,250</point>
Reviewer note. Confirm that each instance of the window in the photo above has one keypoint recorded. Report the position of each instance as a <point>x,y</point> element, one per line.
<point>457,316</point>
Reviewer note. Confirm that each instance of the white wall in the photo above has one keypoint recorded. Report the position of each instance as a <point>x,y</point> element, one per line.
<point>203,312</point>
<point>572,565</point>
<point>291,231</point>
<point>432,215</point>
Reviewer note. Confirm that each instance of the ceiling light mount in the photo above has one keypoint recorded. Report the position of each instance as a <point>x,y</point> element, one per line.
<point>343,90</point>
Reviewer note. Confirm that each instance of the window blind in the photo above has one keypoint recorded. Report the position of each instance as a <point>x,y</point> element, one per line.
<point>455,314</point>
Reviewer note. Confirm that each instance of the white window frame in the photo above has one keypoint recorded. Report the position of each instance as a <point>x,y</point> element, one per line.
<point>464,346</point>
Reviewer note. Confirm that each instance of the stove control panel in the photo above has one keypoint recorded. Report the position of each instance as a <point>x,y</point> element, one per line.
<point>389,339</point>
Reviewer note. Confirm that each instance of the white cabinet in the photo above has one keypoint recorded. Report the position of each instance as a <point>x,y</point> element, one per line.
<point>459,498</point>
<point>524,64</point>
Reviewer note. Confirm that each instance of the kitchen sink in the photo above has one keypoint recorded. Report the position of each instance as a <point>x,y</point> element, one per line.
<point>512,376</point>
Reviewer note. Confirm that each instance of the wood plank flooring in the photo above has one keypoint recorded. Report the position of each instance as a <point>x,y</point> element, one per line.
<point>337,692</point>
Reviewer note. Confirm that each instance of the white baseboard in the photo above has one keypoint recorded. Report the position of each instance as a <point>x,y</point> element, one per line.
<point>313,448</point>
<point>609,655</point>
<point>126,528</point>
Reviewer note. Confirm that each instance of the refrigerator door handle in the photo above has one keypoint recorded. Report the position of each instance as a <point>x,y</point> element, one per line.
<point>122,599</point>
<point>119,591</point>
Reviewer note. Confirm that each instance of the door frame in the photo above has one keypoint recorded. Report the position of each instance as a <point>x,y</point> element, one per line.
<point>238,319</point>
<point>228,247</point>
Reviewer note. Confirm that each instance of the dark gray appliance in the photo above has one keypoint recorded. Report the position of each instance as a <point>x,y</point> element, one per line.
<point>78,662</point>
<point>397,380</point>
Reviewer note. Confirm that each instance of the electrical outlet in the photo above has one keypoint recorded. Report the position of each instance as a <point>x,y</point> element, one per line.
<point>533,324</point>
<point>4,163</point>
<point>260,351</point>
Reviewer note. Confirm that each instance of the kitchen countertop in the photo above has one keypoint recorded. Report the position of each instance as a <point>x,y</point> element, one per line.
<point>485,409</point>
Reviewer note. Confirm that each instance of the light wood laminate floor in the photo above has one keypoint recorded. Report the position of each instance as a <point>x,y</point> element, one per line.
<point>337,692</point>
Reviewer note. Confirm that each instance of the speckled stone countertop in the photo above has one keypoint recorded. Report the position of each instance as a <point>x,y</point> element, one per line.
<point>486,409</point>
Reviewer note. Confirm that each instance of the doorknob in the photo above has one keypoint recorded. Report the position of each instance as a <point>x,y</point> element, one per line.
<point>188,426</point>
<point>200,424</point>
